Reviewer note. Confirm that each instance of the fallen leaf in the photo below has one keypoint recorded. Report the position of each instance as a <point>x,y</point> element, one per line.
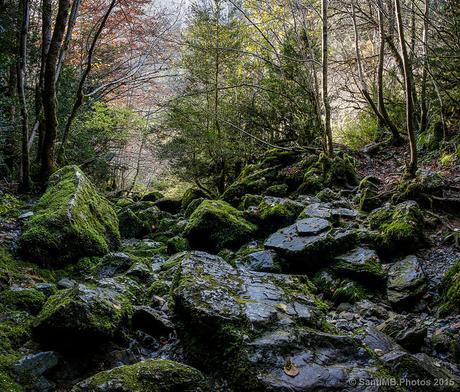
<point>378,352</point>
<point>282,307</point>
<point>290,368</point>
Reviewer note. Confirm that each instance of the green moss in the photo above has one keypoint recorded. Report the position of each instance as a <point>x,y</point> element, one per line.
<point>279,190</point>
<point>148,376</point>
<point>10,207</point>
<point>450,291</point>
<point>177,244</point>
<point>152,196</point>
<point>400,227</point>
<point>215,225</point>
<point>81,316</point>
<point>14,331</point>
<point>421,188</point>
<point>368,198</point>
<point>192,194</point>
<point>146,249</point>
<point>273,213</point>
<point>71,220</point>
<point>27,299</point>
<point>192,206</point>
<point>7,381</point>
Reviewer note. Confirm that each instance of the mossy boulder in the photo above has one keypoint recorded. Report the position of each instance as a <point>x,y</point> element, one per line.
<point>361,264</point>
<point>450,291</point>
<point>71,220</point>
<point>427,183</point>
<point>140,219</point>
<point>169,204</point>
<point>215,224</point>
<point>368,193</point>
<point>81,317</point>
<point>152,375</point>
<point>21,298</point>
<point>274,212</point>
<point>152,196</point>
<point>192,194</point>
<point>400,227</point>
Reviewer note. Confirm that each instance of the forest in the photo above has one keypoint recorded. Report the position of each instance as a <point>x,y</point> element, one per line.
<point>229,195</point>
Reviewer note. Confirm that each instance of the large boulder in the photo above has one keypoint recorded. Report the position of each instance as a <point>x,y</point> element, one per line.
<point>400,227</point>
<point>450,291</point>
<point>274,212</point>
<point>71,220</point>
<point>263,332</point>
<point>309,243</point>
<point>406,281</point>
<point>215,225</point>
<point>152,375</point>
<point>80,317</point>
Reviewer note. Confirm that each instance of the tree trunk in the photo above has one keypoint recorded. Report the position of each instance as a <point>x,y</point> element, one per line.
<point>9,147</point>
<point>24,11</point>
<point>412,164</point>
<point>381,99</point>
<point>79,95</point>
<point>326,104</point>
<point>47,12</point>
<point>49,91</point>
<point>423,103</point>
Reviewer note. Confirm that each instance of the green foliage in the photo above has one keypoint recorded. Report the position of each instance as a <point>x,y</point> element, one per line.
<point>10,206</point>
<point>360,130</point>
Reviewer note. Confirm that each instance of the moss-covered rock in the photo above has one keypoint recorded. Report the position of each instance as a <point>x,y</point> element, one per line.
<point>215,225</point>
<point>279,190</point>
<point>450,291</point>
<point>177,244</point>
<point>192,194</point>
<point>193,205</point>
<point>426,184</point>
<point>169,204</point>
<point>71,220</point>
<point>368,190</point>
<point>14,329</point>
<point>152,196</point>
<point>152,375</point>
<point>400,227</point>
<point>28,299</point>
<point>81,317</point>
<point>274,212</point>
<point>140,219</point>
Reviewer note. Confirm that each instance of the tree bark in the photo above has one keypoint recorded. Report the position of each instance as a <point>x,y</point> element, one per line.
<point>423,102</point>
<point>24,11</point>
<point>79,95</point>
<point>50,93</point>
<point>412,164</point>
<point>380,94</point>
<point>326,103</point>
<point>47,12</point>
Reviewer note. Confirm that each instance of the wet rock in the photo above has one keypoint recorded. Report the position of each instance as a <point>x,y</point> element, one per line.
<point>261,326</point>
<point>151,321</point>
<point>362,264</point>
<point>408,333</point>
<point>25,215</point>
<point>261,261</point>
<point>450,291</point>
<point>65,283</point>
<point>310,251</point>
<point>46,288</point>
<point>113,264</point>
<point>148,376</point>
<point>141,272</point>
<point>35,365</point>
<point>81,317</point>
<point>312,226</point>
<point>406,281</point>
<point>71,220</point>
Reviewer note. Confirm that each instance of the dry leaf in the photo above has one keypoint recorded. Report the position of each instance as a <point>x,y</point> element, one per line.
<point>281,307</point>
<point>290,368</point>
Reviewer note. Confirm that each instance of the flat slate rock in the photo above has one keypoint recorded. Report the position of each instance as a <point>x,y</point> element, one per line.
<point>312,226</point>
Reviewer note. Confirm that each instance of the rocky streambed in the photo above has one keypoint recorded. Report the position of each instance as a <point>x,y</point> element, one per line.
<point>265,289</point>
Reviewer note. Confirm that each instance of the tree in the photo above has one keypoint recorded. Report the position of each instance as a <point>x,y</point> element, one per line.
<point>326,103</point>
<point>50,91</point>
<point>24,11</point>
<point>408,77</point>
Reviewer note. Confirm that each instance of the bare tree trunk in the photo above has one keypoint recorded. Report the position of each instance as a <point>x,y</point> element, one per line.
<point>47,12</point>
<point>381,99</point>
<point>326,104</point>
<point>9,146</point>
<point>49,91</point>
<point>423,103</point>
<point>24,11</point>
<point>412,164</point>
<point>79,95</point>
